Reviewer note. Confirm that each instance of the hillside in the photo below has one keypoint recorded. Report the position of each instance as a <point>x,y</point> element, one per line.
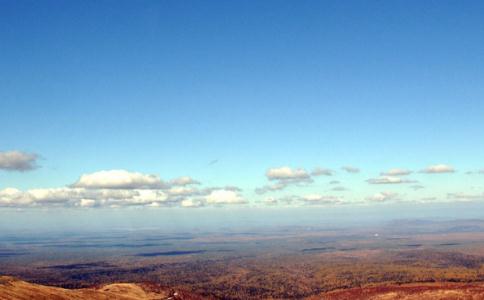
<point>11,288</point>
<point>14,289</point>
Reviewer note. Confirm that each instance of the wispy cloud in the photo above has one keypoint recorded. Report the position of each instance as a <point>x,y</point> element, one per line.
<point>417,187</point>
<point>322,171</point>
<point>212,162</point>
<point>351,169</point>
<point>317,199</point>
<point>479,172</point>
<point>339,189</point>
<point>389,180</point>
<point>396,172</point>
<point>271,188</point>
<point>438,169</point>
<point>465,196</point>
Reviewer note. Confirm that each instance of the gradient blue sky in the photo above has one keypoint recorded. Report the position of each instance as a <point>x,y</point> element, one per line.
<point>167,87</point>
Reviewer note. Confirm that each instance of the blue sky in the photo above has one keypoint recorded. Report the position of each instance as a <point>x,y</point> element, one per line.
<point>225,91</point>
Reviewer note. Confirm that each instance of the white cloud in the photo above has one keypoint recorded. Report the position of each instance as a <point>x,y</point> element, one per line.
<point>192,203</point>
<point>218,197</point>
<point>382,197</point>
<point>150,196</point>
<point>118,179</point>
<point>53,196</point>
<point>17,161</point>
<point>13,197</point>
<point>437,169</point>
<point>351,169</point>
<point>120,188</point>
<point>396,172</point>
<point>87,203</point>
<point>284,177</point>
<point>35,197</point>
<point>389,180</point>
<point>287,174</point>
<point>178,190</point>
<point>72,197</point>
<point>184,180</point>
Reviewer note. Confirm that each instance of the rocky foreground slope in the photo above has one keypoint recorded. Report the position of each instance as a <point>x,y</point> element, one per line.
<point>14,289</point>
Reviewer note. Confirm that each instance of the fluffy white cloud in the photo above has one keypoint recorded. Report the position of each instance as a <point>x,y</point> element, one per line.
<point>13,197</point>
<point>35,197</point>
<point>284,177</point>
<point>218,197</point>
<point>396,172</point>
<point>71,197</point>
<point>351,169</point>
<point>179,190</point>
<point>192,203</point>
<point>382,197</point>
<point>287,174</point>
<point>389,180</point>
<point>123,189</point>
<point>150,196</point>
<point>118,179</point>
<point>437,169</point>
<point>53,196</point>
<point>87,203</point>
<point>18,161</point>
<point>122,179</point>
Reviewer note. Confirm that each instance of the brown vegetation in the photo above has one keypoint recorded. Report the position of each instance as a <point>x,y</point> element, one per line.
<point>432,291</point>
<point>280,265</point>
<point>13,289</point>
